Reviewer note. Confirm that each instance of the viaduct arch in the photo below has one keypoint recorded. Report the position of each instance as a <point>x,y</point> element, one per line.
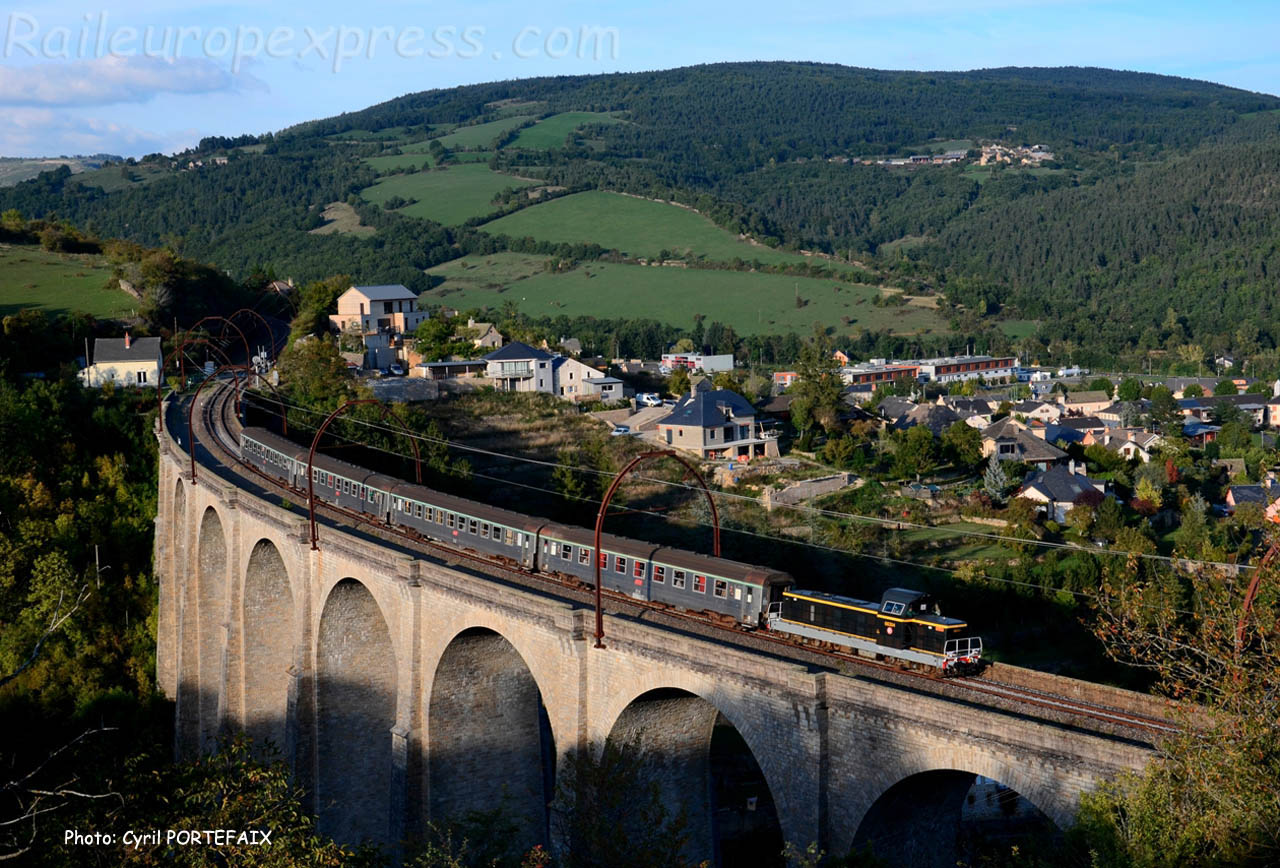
<point>381,673</point>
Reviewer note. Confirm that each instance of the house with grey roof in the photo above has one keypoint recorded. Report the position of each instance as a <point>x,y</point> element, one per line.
<point>935,417</point>
<point>389,308</point>
<point>1011,440</point>
<point>518,367</point>
<point>715,423</point>
<point>1058,489</point>
<point>124,361</point>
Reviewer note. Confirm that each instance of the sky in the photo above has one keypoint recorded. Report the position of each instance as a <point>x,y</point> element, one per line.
<point>140,76</point>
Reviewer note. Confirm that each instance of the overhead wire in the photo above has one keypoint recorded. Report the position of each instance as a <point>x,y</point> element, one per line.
<point>883,558</point>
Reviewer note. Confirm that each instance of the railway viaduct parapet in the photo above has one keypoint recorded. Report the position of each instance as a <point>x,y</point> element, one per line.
<point>402,689</point>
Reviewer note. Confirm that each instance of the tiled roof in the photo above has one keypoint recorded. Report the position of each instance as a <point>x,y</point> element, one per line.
<point>516,351</point>
<point>385,292</point>
<point>1061,485</point>
<point>112,350</point>
<point>709,409</point>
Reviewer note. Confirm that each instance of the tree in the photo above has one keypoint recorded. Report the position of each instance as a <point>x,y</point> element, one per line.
<point>1225,387</point>
<point>994,481</point>
<point>816,393</point>
<point>1193,390</point>
<point>1166,416</point>
<point>1130,389</point>
<point>566,476</point>
<point>229,789</point>
<point>839,451</point>
<point>1102,384</point>
<point>437,338</point>
<point>1212,795</point>
<point>915,453</point>
<point>610,812</point>
<point>678,382</point>
<point>1109,518</point>
<point>314,374</point>
<point>962,445</point>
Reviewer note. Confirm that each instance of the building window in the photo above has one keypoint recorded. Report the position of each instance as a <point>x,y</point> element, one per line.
<point>677,579</point>
<point>699,584</point>
<point>721,588</point>
<point>142,377</point>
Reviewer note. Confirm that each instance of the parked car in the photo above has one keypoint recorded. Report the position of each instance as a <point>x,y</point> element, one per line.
<point>649,399</point>
<point>396,369</point>
<point>620,430</point>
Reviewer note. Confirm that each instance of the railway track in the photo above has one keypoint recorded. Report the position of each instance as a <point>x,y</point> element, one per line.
<point>216,433</point>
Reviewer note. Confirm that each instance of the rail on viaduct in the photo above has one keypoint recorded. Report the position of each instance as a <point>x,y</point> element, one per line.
<point>402,691</point>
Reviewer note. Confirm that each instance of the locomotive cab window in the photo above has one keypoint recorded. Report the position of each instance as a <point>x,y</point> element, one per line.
<point>891,608</point>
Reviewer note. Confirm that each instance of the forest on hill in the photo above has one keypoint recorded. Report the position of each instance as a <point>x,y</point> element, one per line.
<point>1151,228</point>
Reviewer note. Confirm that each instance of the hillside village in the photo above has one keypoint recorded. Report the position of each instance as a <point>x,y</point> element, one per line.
<point>950,440</point>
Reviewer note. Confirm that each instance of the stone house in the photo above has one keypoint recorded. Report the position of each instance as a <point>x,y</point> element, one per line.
<point>126,362</point>
<point>715,423</point>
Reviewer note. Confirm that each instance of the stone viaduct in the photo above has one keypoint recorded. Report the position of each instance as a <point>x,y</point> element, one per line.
<point>401,690</point>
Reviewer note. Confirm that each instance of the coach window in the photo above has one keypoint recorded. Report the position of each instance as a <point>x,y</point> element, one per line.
<point>659,574</point>
<point>638,572</point>
<point>566,551</point>
<point>449,523</point>
<point>508,535</point>
<point>677,579</point>
<point>584,555</point>
<point>439,516</point>
<point>699,584</point>
<point>737,592</point>
<point>520,540</point>
<point>619,564</point>
<point>604,560</point>
<point>720,588</point>
<point>471,525</point>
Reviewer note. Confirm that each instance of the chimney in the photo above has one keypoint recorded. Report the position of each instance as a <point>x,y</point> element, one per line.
<point>126,340</point>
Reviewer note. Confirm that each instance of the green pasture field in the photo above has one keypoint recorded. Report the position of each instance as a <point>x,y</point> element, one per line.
<point>417,160</point>
<point>637,227</point>
<point>551,132</point>
<point>1019,328</point>
<point>751,302</point>
<point>31,276</point>
<point>481,135</point>
<point>450,195</point>
<point>111,179</point>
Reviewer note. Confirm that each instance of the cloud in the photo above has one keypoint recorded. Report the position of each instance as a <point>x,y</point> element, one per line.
<point>41,132</point>
<point>107,80</point>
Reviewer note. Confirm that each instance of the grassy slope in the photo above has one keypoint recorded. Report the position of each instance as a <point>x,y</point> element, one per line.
<point>551,132</point>
<point>750,302</point>
<point>58,282</point>
<point>638,227</point>
<point>481,135</point>
<point>448,196</point>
